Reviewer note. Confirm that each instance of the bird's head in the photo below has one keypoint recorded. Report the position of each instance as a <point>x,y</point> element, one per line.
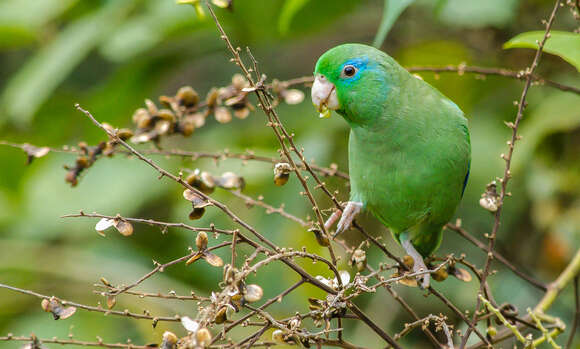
<point>355,80</point>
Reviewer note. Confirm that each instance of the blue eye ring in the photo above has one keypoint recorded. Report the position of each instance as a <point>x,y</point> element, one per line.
<point>349,71</point>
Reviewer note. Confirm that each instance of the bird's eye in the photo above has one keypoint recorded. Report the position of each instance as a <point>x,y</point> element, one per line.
<point>349,71</point>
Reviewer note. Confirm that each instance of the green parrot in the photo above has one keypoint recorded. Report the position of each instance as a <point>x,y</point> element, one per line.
<point>409,149</point>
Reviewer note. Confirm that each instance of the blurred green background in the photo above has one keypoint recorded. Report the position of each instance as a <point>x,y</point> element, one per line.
<point>111,55</point>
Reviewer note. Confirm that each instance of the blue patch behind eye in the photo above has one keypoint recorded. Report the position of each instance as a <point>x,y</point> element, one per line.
<point>360,63</point>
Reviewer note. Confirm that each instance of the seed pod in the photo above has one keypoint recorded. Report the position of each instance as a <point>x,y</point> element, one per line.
<point>491,330</point>
<point>55,307</point>
<point>71,177</point>
<point>201,240</point>
<point>203,337</point>
<point>230,180</point>
<point>169,340</point>
<point>278,336</point>
<point>409,261</point>
<point>221,316</point>
<point>142,118</point>
<point>241,112</point>
<point>490,199</point>
<point>124,134</point>
<point>151,107</point>
<point>162,127</point>
<point>253,293</point>
<point>239,82</point>
<point>440,275</point>
<point>282,173</point>
<point>187,96</point>
<point>295,323</point>
<point>359,259</point>
<point>292,96</point>
<point>222,115</point>
<point>212,98</point>
<point>320,237</point>
<point>460,274</point>
<point>166,114</point>
<point>203,181</point>
<point>196,213</point>
<point>186,127</point>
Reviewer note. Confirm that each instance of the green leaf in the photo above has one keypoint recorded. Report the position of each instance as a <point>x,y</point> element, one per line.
<point>289,10</point>
<point>391,11</point>
<point>477,13</point>
<point>563,44</point>
<point>36,80</point>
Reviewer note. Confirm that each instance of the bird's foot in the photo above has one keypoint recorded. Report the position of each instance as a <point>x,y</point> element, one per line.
<point>347,215</point>
<point>419,265</point>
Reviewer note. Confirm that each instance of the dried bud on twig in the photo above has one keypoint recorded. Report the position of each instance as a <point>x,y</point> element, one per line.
<point>169,340</point>
<point>197,202</point>
<point>33,152</point>
<point>359,259</point>
<point>58,310</point>
<point>202,181</point>
<point>201,242</point>
<point>320,237</point>
<point>122,226</point>
<point>282,173</point>
<point>490,199</point>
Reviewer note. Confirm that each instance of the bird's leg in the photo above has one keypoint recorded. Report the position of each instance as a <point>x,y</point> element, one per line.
<point>350,211</point>
<point>332,219</point>
<point>419,264</point>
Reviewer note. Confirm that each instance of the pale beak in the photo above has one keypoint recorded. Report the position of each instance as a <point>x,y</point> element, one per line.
<point>324,96</point>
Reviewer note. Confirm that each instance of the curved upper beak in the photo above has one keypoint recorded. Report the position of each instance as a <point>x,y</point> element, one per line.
<point>324,96</point>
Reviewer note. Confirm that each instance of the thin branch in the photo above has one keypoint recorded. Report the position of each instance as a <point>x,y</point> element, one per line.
<point>163,225</point>
<point>576,315</point>
<point>64,302</point>
<point>372,325</point>
<point>538,284</point>
<point>55,340</point>
<point>508,158</point>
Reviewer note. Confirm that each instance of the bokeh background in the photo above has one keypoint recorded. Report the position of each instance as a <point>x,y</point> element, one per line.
<point>111,55</point>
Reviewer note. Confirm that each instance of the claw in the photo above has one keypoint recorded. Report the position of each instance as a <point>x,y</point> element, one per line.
<point>351,210</point>
<point>419,265</point>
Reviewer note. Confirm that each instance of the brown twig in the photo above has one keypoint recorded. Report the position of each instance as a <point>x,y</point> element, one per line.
<point>55,340</point>
<point>64,302</point>
<point>508,158</point>
<point>163,225</point>
<point>538,284</point>
<point>576,315</point>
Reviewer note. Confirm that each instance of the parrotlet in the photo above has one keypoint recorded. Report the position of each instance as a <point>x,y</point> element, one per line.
<point>409,150</point>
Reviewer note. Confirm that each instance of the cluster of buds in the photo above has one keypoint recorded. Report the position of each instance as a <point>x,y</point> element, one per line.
<point>206,183</point>
<point>238,293</point>
<point>325,309</point>
<point>89,154</point>
<point>179,116</point>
